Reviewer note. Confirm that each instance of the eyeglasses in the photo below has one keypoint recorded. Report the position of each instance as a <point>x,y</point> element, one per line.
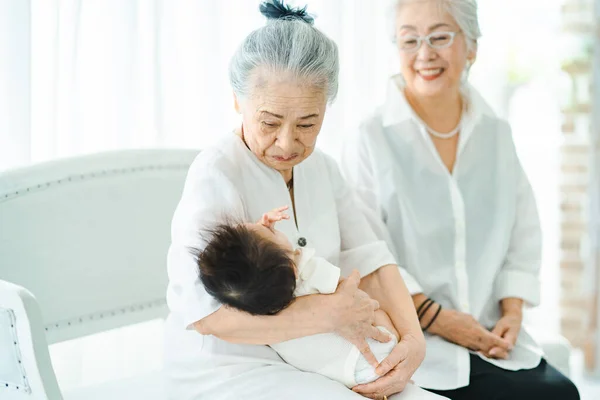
<point>435,40</point>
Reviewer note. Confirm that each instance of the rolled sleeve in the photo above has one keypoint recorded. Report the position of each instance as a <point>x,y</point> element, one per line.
<point>520,284</point>
<point>367,258</point>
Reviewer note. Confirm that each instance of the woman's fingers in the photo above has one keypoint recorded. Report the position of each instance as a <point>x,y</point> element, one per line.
<point>489,341</point>
<point>380,336</point>
<point>497,341</point>
<point>496,352</point>
<point>397,355</point>
<point>394,382</point>
<point>500,329</point>
<point>374,387</point>
<point>374,396</point>
<point>511,335</point>
<point>366,351</point>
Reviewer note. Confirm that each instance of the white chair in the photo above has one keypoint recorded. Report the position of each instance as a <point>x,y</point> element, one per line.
<point>87,237</point>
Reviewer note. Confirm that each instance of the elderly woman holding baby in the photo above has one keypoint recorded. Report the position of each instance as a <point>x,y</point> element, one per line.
<point>283,76</point>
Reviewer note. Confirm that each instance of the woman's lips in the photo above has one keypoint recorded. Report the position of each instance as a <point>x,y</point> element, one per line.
<point>284,159</point>
<point>430,74</point>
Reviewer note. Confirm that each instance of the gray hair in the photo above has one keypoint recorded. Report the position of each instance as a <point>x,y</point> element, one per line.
<point>287,46</point>
<point>464,13</point>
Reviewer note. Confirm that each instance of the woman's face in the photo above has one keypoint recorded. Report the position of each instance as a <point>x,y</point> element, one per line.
<point>430,72</point>
<point>281,120</point>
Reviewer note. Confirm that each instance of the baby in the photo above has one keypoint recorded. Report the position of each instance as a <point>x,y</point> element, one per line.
<point>254,268</point>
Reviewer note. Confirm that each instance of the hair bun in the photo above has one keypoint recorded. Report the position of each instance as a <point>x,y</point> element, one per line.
<point>275,9</point>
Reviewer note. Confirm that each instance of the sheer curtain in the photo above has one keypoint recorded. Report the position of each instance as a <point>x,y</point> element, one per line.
<point>89,76</point>
<point>82,76</point>
<point>14,82</point>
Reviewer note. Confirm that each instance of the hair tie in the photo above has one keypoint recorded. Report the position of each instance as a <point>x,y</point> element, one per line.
<point>433,319</point>
<point>275,9</point>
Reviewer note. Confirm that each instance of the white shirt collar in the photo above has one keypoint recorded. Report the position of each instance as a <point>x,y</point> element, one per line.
<point>397,109</point>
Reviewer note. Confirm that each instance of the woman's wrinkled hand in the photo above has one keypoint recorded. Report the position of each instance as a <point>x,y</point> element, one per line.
<point>353,315</point>
<point>466,331</point>
<point>397,369</point>
<point>508,328</point>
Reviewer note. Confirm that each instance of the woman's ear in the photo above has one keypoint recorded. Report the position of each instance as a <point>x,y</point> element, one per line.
<point>236,104</point>
<point>472,55</point>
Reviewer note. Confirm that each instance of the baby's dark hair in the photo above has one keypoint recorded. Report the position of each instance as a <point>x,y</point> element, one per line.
<point>245,271</point>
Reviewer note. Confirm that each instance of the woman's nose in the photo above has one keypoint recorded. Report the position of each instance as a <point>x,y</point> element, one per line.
<point>425,53</point>
<point>285,139</point>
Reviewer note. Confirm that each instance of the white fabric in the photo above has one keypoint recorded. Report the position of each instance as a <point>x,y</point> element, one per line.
<point>328,354</point>
<point>363,371</point>
<point>228,179</point>
<point>468,238</point>
<point>315,274</point>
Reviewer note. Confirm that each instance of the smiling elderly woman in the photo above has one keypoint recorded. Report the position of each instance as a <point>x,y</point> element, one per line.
<point>283,76</point>
<point>441,172</point>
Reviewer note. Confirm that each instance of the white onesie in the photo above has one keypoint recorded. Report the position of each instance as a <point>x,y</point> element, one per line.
<point>328,354</point>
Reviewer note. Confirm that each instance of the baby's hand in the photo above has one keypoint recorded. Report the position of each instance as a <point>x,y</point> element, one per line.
<point>270,218</point>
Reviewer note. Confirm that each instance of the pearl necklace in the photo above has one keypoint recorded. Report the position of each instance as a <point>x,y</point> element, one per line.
<point>450,134</point>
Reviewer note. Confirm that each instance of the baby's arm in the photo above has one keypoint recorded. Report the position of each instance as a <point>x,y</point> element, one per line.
<point>383,319</point>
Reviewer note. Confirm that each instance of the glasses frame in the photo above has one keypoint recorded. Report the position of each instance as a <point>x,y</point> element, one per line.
<point>427,39</point>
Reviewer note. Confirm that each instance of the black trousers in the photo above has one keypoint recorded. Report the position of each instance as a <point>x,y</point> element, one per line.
<point>489,382</point>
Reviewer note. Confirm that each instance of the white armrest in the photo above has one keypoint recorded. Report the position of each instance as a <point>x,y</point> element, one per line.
<point>27,370</point>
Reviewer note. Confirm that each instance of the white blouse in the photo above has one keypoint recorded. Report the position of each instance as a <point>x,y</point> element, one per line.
<point>228,180</point>
<point>467,239</point>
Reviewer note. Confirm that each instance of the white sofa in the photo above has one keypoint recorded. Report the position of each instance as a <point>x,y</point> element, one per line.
<point>82,250</point>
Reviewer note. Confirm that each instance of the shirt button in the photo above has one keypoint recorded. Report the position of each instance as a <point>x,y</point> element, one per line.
<point>302,242</point>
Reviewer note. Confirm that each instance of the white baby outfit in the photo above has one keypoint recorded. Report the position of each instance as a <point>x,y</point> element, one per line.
<point>328,354</point>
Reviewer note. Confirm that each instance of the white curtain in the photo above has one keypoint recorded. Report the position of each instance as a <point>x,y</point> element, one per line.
<point>14,82</point>
<point>82,76</point>
<point>90,75</point>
